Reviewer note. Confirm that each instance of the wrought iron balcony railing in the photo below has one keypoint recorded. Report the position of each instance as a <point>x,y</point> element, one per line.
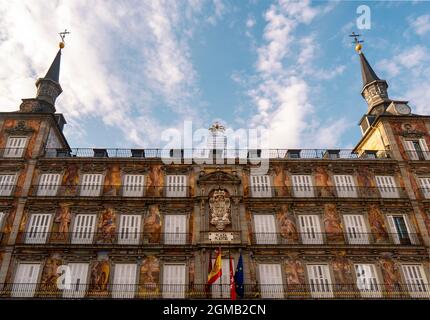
<point>346,238</point>
<point>12,152</point>
<point>123,238</point>
<point>9,190</point>
<point>418,155</point>
<point>312,290</point>
<point>109,191</point>
<point>326,192</point>
<point>329,154</point>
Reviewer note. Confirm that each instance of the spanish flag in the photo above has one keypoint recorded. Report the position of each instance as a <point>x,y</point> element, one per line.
<point>216,271</point>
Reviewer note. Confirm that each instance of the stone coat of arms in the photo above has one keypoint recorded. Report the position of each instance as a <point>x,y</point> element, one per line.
<point>219,208</point>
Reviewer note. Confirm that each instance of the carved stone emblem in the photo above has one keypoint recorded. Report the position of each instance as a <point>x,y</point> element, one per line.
<point>220,209</point>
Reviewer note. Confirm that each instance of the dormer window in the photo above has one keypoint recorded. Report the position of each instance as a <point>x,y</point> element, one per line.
<point>416,149</point>
<point>15,147</point>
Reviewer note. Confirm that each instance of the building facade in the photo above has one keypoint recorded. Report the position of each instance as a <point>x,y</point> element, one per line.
<point>123,223</point>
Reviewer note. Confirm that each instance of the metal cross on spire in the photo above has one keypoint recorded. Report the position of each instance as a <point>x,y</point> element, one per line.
<point>63,34</point>
<point>357,41</point>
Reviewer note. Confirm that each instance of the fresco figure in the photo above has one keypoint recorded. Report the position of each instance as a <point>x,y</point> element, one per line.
<point>332,224</point>
<point>377,224</point>
<point>107,225</point>
<point>63,218</point>
<point>112,182</point>
<point>287,224</point>
<point>149,276</point>
<point>152,224</point>
<point>50,275</point>
<point>100,276</point>
<point>155,181</point>
<point>322,183</point>
<point>71,180</point>
<point>295,273</point>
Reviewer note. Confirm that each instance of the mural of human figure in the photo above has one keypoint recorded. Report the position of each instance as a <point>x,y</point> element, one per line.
<point>377,225</point>
<point>287,224</point>
<point>391,279</point>
<point>152,224</point>
<point>107,225</point>
<point>365,182</point>
<point>342,273</point>
<point>50,275</point>
<point>322,183</point>
<point>100,276</point>
<point>63,218</point>
<point>279,181</point>
<point>112,181</point>
<point>295,273</point>
<point>149,276</point>
<point>155,181</point>
<point>332,224</point>
<point>71,180</point>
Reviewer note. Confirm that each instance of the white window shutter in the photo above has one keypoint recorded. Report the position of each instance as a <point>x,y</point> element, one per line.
<point>124,281</point>
<point>424,148</point>
<point>7,184</point>
<point>15,147</point>
<point>302,186</point>
<point>345,186</point>
<point>175,229</point>
<point>393,229</point>
<point>271,281</point>
<point>25,281</point>
<point>425,187</point>
<point>410,150</point>
<point>48,184</point>
<point>129,229</point>
<point>356,230</point>
<point>416,281</point>
<point>38,228</point>
<point>83,229</point>
<point>174,281</point>
<point>78,281</point>
<point>176,186</point>
<point>265,229</point>
<point>91,185</point>
<point>320,281</point>
<point>387,186</point>
<point>260,186</point>
<point>367,281</point>
<point>133,185</point>
<point>310,229</point>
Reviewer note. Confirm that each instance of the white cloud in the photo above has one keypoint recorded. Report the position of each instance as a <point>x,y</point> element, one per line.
<point>421,24</point>
<point>283,96</point>
<point>122,59</point>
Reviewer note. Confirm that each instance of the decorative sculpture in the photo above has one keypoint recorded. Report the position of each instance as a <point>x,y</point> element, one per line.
<point>220,209</point>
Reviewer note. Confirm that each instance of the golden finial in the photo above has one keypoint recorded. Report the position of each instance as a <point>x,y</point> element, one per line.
<point>63,35</point>
<point>357,42</point>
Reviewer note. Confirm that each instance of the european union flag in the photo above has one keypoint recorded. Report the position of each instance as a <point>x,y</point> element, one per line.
<point>238,278</point>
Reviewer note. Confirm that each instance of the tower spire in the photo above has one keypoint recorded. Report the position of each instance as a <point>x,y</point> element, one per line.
<point>48,87</point>
<point>374,89</point>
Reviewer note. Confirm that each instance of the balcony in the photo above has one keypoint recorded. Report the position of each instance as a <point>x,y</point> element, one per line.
<point>12,153</point>
<point>202,291</point>
<point>103,239</point>
<point>323,238</point>
<point>418,155</point>
<point>107,191</point>
<point>201,154</point>
<point>326,192</point>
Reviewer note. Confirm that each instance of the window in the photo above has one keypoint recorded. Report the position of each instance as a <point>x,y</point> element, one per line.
<point>387,186</point>
<point>310,229</point>
<point>91,185</point>
<point>124,281</point>
<point>265,229</point>
<point>175,229</point>
<point>221,287</point>
<point>416,280</point>
<point>367,281</point>
<point>15,147</point>
<point>83,230</point>
<point>320,281</point>
<point>25,282</point>
<point>176,186</point>
<point>271,281</point>
<point>48,184</point>
<point>129,232</point>
<point>133,185</point>
<point>174,281</point>
<point>355,229</point>
<point>425,187</point>
<point>7,184</point>
<point>400,229</point>
<point>302,186</point>
<point>345,186</point>
<point>417,149</point>
<point>38,227</point>
<point>78,281</point>
<point>260,186</point>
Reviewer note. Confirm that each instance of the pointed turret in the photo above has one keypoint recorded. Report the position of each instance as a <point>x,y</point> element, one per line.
<point>48,89</point>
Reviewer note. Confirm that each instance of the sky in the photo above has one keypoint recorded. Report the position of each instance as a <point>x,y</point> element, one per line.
<point>133,70</point>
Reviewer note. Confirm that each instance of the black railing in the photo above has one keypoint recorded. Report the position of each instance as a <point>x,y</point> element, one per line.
<point>326,192</point>
<point>109,191</point>
<point>12,152</point>
<point>124,238</point>
<point>8,190</point>
<point>311,290</point>
<point>325,238</point>
<point>329,154</point>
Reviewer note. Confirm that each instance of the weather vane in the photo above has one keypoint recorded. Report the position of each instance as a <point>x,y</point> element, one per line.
<point>356,41</point>
<point>62,36</point>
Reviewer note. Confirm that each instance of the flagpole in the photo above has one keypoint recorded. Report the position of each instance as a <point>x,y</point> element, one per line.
<point>220,280</point>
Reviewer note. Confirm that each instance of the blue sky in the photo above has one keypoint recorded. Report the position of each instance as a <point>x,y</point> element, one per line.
<point>132,70</point>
